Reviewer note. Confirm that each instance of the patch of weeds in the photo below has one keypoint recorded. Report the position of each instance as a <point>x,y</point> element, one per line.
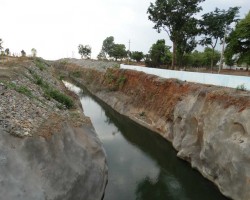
<point>60,106</point>
<point>110,77</point>
<point>142,114</point>
<point>60,97</point>
<point>61,77</point>
<point>63,62</point>
<point>121,80</point>
<point>50,92</point>
<point>241,87</point>
<point>40,64</point>
<point>117,66</point>
<point>21,89</point>
<point>24,90</point>
<point>76,74</point>
<point>39,81</point>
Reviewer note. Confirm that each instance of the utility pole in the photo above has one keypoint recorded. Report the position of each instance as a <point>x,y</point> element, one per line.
<point>129,42</point>
<point>222,53</point>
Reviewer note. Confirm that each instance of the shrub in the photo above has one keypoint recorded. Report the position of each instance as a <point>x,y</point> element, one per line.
<point>76,74</point>
<point>21,89</point>
<point>39,64</point>
<point>60,97</point>
<point>121,80</point>
<point>50,92</point>
<point>241,87</point>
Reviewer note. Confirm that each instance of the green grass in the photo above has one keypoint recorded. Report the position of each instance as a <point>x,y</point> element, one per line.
<point>76,74</point>
<point>21,89</point>
<point>121,80</point>
<point>40,64</point>
<point>60,97</point>
<point>241,87</point>
<point>50,92</point>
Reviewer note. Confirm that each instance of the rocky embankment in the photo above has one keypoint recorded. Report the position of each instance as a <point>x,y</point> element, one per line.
<point>48,148</point>
<point>207,125</point>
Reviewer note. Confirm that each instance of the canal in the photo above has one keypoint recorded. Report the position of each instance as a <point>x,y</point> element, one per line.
<point>142,165</point>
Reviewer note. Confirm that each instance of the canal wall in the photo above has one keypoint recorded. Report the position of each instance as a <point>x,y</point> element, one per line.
<point>231,81</point>
<point>207,125</point>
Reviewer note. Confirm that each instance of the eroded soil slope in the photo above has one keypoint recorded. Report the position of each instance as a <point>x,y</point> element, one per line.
<point>207,125</point>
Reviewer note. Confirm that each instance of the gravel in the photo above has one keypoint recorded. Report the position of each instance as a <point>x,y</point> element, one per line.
<point>22,111</point>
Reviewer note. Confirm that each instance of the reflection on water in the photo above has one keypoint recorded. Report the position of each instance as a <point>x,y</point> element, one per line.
<point>142,165</point>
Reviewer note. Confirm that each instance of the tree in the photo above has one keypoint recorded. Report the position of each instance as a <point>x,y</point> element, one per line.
<point>175,18</point>
<point>101,56</point>
<point>84,51</point>
<point>1,43</point>
<point>159,54</point>
<point>107,46</point>
<point>23,53</point>
<point>7,51</point>
<point>238,43</point>
<point>34,52</point>
<point>137,55</point>
<point>214,26</point>
<point>118,51</point>
<point>208,54</point>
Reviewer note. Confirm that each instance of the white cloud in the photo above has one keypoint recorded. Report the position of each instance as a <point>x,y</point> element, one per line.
<point>55,28</point>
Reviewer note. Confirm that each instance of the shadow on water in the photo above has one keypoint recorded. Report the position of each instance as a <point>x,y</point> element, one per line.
<point>142,165</point>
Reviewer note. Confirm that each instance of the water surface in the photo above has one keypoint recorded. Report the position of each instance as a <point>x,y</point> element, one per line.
<point>142,165</point>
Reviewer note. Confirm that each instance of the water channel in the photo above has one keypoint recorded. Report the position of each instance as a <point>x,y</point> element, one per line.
<point>142,165</point>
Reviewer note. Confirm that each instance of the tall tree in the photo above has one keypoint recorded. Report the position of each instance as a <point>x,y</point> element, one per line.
<point>107,46</point>
<point>1,43</point>
<point>159,54</point>
<point>101,55</point>
<point>238,43</point>
<point>174,16</point>
<point>84,51</point>
<point>33,52</point>
<point>23,53</point>
<point>7,51</point>
<point>118,51</point>
<point>137,55</point>
<point>214,26</point>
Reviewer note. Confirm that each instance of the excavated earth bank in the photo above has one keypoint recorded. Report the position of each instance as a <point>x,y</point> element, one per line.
<point>47,150</point>
<point>207,125</point>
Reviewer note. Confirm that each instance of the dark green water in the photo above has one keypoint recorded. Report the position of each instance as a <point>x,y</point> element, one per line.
<point>142,165</point>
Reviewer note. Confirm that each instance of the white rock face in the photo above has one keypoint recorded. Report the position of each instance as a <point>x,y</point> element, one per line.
<point>216,142</point>
<point>214,139</point>
<point>69,165</point>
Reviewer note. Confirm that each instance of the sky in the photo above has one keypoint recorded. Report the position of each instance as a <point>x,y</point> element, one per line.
<point>55,28</point>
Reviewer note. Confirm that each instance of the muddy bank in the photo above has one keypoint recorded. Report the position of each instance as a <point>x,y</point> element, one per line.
<point>208,126</point>
<point>48,148</point>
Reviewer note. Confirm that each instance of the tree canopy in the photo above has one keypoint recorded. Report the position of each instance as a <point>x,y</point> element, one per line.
<point>238,43</point>
<point>23,53</point>
<point>107,46</point>
<point>33,52</point>
<point>7,51</point>
<point>112,50</point>
<point>1,43</point>
<point>137,55</point>
<point>118,51</point>
<point>84,51</point>
<point>214,26</point>
<point>177,19</point>
<point>159,54</point>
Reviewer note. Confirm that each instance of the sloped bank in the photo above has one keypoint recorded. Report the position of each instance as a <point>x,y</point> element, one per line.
<point>208,126</point>
<point>48,148</point>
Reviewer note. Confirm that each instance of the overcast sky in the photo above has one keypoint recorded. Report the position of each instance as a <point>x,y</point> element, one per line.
<point>56,27</point>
